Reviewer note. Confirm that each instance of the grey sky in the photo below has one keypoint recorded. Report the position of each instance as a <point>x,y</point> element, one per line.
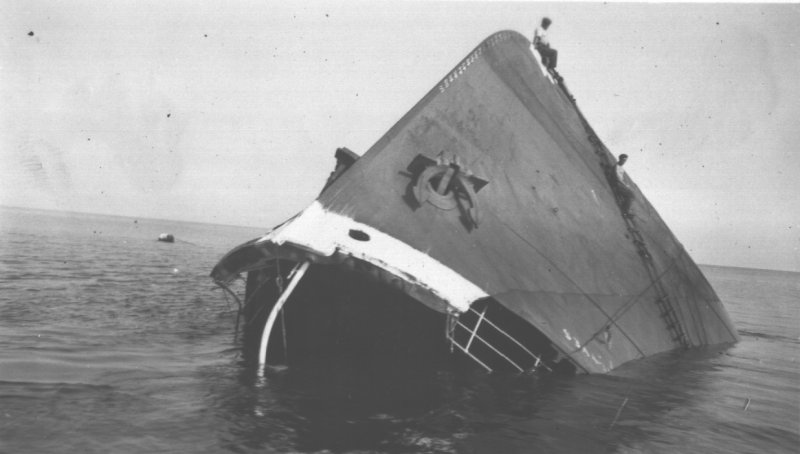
<point>229,112</point>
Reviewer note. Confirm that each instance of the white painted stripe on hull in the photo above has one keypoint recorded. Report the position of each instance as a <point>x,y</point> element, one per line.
<point>324,233</point>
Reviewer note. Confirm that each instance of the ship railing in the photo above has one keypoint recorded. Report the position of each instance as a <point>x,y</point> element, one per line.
<point>482,320</point>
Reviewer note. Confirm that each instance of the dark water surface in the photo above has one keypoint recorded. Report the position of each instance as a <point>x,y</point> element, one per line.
<point>113,342</point>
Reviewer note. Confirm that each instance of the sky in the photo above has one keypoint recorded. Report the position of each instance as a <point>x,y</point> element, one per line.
<point>230,112</point>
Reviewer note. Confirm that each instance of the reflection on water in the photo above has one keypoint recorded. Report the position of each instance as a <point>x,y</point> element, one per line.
<point>114,342</point>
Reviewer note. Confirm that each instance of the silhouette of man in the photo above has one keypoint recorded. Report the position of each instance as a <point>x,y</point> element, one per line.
<point>542,44</point>
<point>623,189</point>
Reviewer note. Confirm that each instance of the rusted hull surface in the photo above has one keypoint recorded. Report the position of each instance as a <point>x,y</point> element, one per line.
<point>538,228</point>
<point>551,244</point>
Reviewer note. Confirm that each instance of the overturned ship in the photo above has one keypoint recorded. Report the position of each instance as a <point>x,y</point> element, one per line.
<point>484,226</point>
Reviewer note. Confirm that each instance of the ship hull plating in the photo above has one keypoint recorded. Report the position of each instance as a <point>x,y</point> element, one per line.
<point>493,192</point>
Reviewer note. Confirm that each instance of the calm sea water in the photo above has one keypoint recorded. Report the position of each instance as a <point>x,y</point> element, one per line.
<point>111,342</point>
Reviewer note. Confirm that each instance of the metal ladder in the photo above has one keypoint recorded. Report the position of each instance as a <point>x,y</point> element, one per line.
<point>663,301</point>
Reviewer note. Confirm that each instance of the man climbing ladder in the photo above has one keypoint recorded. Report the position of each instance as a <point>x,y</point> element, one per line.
<point>621,187</point>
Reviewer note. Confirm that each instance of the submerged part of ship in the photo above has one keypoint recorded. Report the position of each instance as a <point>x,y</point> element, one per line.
<point>483,228</point>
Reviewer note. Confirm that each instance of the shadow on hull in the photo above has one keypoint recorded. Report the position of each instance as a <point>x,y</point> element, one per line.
<point>339,316</point>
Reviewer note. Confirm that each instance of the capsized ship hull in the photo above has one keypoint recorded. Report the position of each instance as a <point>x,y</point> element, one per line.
<point>489,204</point>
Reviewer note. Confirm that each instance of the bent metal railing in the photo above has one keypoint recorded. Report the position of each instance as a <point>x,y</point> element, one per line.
<point>454,322</point>
<point>294,278</point>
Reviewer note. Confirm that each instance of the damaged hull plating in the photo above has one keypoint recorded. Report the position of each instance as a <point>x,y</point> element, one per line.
<point>485,220</point>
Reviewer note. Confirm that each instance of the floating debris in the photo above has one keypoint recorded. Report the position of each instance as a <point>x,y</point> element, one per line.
<point>619,410</point>
<point>166,238</point>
